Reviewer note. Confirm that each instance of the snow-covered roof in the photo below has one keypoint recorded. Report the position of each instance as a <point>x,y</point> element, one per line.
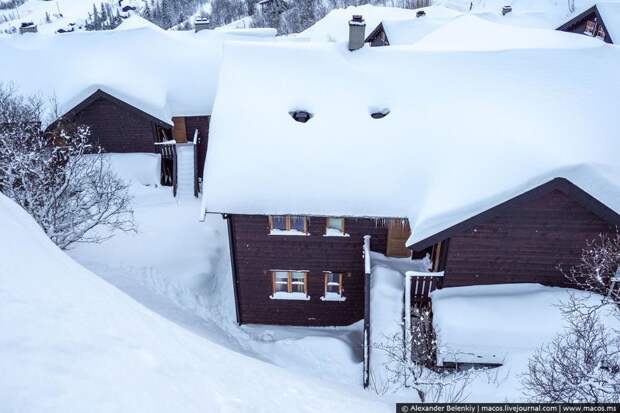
<point>335,25</point>
<point>470,32</point>
<point>163,73</point>
<point>610,12</point>
<point>466,130</point>
<point>409,31</point>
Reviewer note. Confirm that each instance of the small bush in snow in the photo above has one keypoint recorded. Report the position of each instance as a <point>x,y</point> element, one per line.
<point>410,365</point>
<point>59,177</point>
<point>583,364</point>
<point>579,366</point>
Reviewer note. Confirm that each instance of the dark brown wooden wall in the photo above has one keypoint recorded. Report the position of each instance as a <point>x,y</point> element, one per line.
<point>202,124</point>
<point>256,253</point>
<point>117,129</point>
<point>524,244</point>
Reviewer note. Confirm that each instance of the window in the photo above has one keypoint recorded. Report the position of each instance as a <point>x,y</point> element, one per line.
<point>333,286</point>
<point>288,225</point>
<point>289,285</point>
<point>590,28</point>
<point>334,227</point>
<point>600,33</point>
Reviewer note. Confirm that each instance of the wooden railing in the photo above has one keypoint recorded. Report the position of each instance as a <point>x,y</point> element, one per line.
<point>418,289</point>
<point>168,150</point>
<point>421,285</point>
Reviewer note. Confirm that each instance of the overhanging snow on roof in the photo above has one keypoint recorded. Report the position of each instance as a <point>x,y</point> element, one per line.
<point>163,73</point>
<point>465,128</point>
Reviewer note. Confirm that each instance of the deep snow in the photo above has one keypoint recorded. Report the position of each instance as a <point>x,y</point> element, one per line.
<point>73,342</point>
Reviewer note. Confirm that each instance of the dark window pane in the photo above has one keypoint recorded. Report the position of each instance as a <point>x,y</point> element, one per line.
<point>281,281</point>
<point>298,223</point>
<point>278,222</point>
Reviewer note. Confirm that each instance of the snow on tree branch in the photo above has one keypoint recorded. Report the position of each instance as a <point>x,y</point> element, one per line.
<point>59,176</point>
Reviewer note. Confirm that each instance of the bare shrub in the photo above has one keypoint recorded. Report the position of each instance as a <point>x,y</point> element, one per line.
<point>583,363</point>
<point>58,176</point>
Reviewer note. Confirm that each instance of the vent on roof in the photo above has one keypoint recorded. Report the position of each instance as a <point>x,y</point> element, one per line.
<point>301,115</point>
<point>506,10</point>
<point>420,13</point>
<point>378,114</point>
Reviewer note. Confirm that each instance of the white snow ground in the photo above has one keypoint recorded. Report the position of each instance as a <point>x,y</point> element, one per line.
<point>73,342</point>
<point>74,338</point>
<point>180,268</point>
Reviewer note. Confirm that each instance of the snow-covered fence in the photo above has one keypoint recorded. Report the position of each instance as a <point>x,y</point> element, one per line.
<point>367,270</point>
<point>168,150</point>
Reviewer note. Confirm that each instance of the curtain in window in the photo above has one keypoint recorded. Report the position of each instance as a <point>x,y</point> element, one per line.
<point>335,224</point>
<point>332,282</point>
<point>278,222</point>
<point>298,223</point>
<point>298,282</point>
<point>281,281</point>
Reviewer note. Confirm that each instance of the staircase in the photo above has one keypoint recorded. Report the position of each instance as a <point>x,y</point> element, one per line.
<point>185,171</point>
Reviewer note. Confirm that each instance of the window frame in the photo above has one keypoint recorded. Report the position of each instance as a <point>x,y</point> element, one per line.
<point>594,25</point>
<point>287,224</point>
<point>290,282</point>
<point>340,293</point>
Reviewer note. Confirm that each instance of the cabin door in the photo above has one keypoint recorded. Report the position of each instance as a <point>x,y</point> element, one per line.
<point>398,233</point>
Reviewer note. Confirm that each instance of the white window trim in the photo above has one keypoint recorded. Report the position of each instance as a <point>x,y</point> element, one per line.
<point>282,295</point>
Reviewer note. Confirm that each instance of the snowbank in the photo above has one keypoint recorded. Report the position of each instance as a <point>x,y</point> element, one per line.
<point>387,306</point>
<point>487,324</point>
<point>72,342</point>
<point>386,316</point>
<point>136,168</point>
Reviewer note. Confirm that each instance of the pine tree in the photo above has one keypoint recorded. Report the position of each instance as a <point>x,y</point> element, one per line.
<point>96,23</point>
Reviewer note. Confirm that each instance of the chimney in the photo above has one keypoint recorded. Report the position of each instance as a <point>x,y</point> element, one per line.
<point>28,27</point>
<point>506,10</point>
<point>357,32</point>
<point>201,23</point>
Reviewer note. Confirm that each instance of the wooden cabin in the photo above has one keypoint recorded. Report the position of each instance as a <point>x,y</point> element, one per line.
<point>527,239</point>
<point>119,127</point>
<point>597,21</point>
<point>305,270</point>
<point>308,162</point>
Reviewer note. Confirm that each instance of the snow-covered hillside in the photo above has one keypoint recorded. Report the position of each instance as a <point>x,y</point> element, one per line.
<point>50,15</point>
<point>69,340</point>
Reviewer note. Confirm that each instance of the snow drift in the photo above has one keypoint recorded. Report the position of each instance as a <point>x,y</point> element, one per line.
<point>72,342</point>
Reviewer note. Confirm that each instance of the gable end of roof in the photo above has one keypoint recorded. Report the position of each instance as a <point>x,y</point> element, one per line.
<point>563,185</point>
<point>100,94</point>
